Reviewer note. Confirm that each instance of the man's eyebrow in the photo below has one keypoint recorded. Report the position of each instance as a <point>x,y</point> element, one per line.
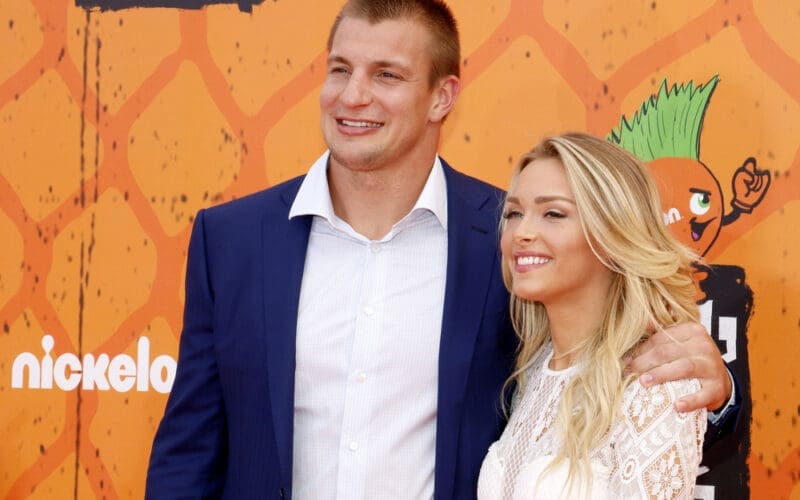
<point>383,63</point>
<point>337,59</point>
<point>391,64</point>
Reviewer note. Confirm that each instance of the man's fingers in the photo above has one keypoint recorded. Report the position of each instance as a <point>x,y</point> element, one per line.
<point>712,394</point>
<point>682,332</point>
<point>661,337</point>
<point>655,357</point>
<point>692,333</point>
<point>692,402</point>
<point>678,341</point>
<point>679,352</point>
<point>676,370</point>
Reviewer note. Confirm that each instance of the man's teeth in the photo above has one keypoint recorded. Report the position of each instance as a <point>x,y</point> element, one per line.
<point>531,260</point>
<point>350,123</point>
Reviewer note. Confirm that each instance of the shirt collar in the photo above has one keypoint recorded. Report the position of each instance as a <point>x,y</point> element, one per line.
<point>314,198</point>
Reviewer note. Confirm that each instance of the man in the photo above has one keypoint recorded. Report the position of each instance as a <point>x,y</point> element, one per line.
<point>346,334</point>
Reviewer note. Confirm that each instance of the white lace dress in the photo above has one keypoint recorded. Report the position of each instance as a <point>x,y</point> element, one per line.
<point>651,452</point>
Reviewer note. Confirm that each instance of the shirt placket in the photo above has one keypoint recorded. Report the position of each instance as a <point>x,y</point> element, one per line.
<point>357,435</point>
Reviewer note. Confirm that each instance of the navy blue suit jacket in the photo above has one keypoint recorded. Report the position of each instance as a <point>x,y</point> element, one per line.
<point>227,428</point>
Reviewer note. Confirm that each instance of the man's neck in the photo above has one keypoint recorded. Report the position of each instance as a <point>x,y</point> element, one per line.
<point>371,202</point>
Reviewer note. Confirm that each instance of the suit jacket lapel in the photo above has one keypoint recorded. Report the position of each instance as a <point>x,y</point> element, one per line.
<point>284,242</point>
<point>472,247</point>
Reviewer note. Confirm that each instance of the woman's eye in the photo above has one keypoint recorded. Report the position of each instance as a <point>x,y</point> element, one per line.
<point>554,214</point>
<point>512,214</point>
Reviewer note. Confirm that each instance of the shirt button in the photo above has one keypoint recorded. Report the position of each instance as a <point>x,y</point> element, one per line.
<point>369,311</point>
<point>362,377</point>
<point>375,247</point>
<point>353,446</point>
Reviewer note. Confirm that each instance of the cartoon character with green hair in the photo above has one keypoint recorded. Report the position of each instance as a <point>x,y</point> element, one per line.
<point>665,134</point>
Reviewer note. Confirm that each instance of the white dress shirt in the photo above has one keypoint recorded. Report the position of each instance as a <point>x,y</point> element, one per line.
<point>368,331</point>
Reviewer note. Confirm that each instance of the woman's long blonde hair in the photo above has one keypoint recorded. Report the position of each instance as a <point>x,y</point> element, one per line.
<point>621,217</point>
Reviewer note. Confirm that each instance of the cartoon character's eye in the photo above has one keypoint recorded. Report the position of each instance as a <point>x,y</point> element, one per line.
<point>699,203</point>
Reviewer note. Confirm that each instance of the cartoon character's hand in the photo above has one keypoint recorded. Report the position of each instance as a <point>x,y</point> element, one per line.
<point>749,186</point>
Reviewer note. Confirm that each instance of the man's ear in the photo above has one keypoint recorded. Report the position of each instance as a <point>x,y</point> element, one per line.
<point>444,98</point>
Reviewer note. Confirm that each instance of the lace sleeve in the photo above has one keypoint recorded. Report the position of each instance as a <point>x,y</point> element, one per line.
<point>658,450</point>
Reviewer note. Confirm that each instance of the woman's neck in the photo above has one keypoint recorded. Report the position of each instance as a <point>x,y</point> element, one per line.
<point>572,324</point>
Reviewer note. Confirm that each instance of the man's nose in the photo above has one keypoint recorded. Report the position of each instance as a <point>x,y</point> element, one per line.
<point>357,91</point>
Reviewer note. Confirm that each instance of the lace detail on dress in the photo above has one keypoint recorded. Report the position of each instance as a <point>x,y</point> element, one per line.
<point>660,447</point>
<point>651,451</point>
<point>539,404</point>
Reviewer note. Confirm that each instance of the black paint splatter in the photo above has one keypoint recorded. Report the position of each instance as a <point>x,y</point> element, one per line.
<point>244,5</point>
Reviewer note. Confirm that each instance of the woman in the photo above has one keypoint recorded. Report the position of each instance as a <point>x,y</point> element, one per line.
<point>591,267</point>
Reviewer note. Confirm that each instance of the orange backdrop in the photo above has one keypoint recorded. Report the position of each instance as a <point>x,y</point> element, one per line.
<point>117,126</point>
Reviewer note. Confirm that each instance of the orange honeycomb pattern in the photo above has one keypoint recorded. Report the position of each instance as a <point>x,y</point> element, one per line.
<point>116,127</point>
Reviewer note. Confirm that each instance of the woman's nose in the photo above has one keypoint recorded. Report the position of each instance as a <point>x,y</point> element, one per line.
<point>525,230</point>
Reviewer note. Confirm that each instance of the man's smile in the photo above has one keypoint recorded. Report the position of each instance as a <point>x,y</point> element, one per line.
<point>358,123</point>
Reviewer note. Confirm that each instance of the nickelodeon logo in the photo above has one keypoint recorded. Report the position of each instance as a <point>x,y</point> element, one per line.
<point>120,373</point>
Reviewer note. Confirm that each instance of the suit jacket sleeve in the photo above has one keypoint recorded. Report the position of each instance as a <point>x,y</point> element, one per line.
<point>728,422</point>
<point>187,458</point>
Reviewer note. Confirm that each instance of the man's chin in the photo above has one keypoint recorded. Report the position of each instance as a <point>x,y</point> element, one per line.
<point>353,160</point>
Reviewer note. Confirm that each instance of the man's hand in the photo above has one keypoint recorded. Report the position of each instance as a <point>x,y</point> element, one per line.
<point>684,351</point>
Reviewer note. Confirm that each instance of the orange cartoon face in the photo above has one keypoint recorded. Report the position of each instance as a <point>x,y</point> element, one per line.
<point>691,199</point>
